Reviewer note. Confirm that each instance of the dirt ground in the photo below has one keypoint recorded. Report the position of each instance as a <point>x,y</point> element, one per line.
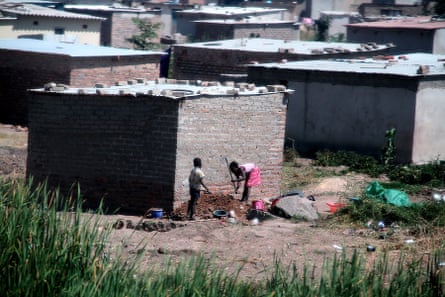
<point>240,242</point>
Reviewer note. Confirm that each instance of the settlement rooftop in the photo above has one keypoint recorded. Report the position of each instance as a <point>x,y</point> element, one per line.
<point>293,46</point>
<point>404,65</point>
<point>424,23</point>
<point>171,88</point>
<point>68,49</point>
<point>229,10</point>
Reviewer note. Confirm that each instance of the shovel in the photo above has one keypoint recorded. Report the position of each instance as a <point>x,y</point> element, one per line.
<point>231,176</point>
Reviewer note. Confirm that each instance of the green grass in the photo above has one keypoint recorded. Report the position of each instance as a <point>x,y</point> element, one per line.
<point>50,248</point>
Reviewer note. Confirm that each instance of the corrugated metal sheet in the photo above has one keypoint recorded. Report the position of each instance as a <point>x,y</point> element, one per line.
<point>72,50</point>
<point>403,65</point>
<point>36,10</point>
<point>426,23</point>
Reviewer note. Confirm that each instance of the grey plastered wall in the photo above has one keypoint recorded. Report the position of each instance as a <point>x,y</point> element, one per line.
<point>136,152</point>
<point>405,40</point>
<point>347,111</point>
<point>429,140</point>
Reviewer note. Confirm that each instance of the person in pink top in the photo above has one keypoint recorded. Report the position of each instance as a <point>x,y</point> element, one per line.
<point>249,173</point>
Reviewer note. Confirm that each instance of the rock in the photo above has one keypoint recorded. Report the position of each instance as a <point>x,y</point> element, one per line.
<point>293,206</point>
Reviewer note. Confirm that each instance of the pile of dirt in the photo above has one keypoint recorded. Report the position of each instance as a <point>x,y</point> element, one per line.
<point>208,203</point>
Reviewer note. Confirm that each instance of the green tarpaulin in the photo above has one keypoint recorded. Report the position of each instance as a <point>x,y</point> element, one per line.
<point>392,196</point>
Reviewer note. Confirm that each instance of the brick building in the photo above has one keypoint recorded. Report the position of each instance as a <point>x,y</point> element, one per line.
<point>185,19</point>
<point>118,24</point>
<point>424,34</point>
<point>246,28</point>
<point>134,145</point>
<point>25,20</point>
<point>28,63</point>
<point>216,59</point>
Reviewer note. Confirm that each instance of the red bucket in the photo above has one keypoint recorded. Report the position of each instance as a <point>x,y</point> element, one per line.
<point>258,205</point>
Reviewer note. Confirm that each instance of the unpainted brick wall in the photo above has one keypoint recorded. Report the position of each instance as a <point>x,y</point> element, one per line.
<point>218,31</point>
<point>272,31</point>
<point>245,128</point>
<point>20,71</point>
<point>119,148</point>
<point>109,70</point>
<point>210,63</point>
<point>122,27</point>
<point>137,153</point>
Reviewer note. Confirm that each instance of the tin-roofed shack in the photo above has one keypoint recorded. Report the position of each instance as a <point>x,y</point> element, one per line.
<point>29,63</point>
<point>133,145</point>
<point>216,60</point>
<point>349,104</point>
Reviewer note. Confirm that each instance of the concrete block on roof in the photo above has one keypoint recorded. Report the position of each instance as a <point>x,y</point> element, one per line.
<point>100,85</point>
<point>101,92</point>
<point>182,82</point>
<point>276,88</point>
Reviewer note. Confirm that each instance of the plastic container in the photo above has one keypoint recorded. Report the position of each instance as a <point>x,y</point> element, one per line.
<point>258,205</point>
<point>335,206</point>
<point>220,213</point>
<point>156,213</point>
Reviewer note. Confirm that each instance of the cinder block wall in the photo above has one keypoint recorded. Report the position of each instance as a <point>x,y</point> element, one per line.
<point>20,71</point>
<point>121,149</point>
<point>137,153</point>
<point>109,70</point>
<point>245,129</point>
<point>210,63</point>
<point>122,27</point>
<point>273,31</point>
<point>217,31</point>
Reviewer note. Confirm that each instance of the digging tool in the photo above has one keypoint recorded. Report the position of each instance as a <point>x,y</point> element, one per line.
<point>235,187</point>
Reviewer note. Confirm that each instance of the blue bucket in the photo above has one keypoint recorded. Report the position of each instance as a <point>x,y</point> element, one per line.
<point>156,213</point>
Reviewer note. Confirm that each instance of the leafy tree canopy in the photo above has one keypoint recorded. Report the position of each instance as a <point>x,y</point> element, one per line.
<point>148,32</point>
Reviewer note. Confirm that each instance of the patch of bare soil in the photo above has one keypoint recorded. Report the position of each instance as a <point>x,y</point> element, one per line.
<point>13,151</point>
<point>239,243</point>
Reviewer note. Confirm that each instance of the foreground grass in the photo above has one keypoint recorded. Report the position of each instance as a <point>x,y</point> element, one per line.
<point>49,248</point>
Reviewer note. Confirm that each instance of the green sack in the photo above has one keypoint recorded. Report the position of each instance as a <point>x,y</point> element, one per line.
<point>375,190</point>
<point>392,196</point>
<point>396,197</point>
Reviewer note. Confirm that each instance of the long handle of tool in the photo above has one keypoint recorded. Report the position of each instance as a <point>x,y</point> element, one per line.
<point>231,176</point>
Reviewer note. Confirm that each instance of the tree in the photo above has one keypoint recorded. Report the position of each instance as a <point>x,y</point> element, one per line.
<point>148,31</point>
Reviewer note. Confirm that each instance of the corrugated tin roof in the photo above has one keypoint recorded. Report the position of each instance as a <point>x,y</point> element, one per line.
<point>426,23</point>
<point>36,10</point>
<point>68,49</point>
<point>297,47</point>
<point>254,20</point>
<point>112,8</point>
<point>229,10</point>
<point>402,65</point>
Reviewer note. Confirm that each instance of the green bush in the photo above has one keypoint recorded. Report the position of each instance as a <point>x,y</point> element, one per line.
<point>354,161</point>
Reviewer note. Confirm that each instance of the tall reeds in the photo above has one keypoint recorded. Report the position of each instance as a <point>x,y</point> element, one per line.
<point>49,247</point>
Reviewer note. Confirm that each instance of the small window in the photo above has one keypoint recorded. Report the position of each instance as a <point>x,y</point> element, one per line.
<point>59,31</point>
<point>35,23</point>
<point>84,26</point>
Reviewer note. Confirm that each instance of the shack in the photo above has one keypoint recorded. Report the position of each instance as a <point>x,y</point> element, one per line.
<point>349,104</point>
<point>132,145</point>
